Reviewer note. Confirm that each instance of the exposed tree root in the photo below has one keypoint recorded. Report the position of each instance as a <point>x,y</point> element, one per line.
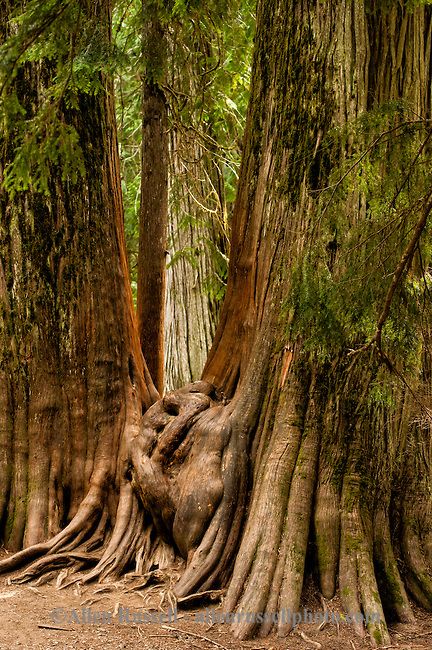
<point>352,554</point>
<point>416,520</point>
<point>327,535</point>
<point>81,525</point>
<point>326,517</point>
<point>184,491</point>
<point>392,589</point>
<point>419,578</point>
<point>174,466</point>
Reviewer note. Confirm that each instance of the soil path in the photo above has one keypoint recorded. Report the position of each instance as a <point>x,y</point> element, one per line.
<point>78,618</point>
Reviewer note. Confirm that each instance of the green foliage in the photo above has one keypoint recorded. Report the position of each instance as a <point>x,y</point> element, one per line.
<point>127,27</point>
<point>215,284</point>
<point>57,145</point>
<point>365,217</point>
<point>207,89</point>
<point>52,54</point>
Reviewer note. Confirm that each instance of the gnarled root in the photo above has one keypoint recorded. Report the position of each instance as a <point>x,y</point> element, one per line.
<point>189,471</point>
<point>357,581</point>
<point>180,467</point>
<point>70,537</point>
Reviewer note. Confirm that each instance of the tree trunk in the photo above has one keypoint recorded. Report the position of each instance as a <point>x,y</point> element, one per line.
<point>154,197</point>
<point>280,453</point>
<point>204,157</point>
<point>196,242</point>
<point>72,374</point>
<point>303,424</point>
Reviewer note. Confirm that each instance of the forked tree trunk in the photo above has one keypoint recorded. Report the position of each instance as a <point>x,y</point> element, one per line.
<point>318,451</point>
<point>275,453</point>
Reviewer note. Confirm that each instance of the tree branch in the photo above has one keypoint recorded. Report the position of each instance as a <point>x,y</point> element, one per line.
<point>404,262</point>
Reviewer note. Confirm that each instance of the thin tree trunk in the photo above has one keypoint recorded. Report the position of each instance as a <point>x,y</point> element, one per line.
<point>154,197</point>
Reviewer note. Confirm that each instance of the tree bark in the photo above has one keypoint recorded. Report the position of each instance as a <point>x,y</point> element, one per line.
<point>154,197</point>
<point>196,237</point>
<point>72,374</point>
<point>305,427</point>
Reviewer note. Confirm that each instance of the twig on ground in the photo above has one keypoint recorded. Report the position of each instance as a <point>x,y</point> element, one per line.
<point>213,594</point>
<point>416,636</point>
<point>400,647</point>
<point>36,591</point>
<point>324,622</point>
<point>104,590</point>
<point>315,644</point>
<point>90,601</point>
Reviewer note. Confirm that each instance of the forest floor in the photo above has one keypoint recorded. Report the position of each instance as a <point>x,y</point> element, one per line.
<point>83,618</point>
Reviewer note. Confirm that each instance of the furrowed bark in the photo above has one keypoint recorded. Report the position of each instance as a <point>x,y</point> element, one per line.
<point>71,361</point>
<point>196,210</point>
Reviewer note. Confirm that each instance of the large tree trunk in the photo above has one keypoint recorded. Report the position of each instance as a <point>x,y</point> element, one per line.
<point>198,221</point>
<point>326,463</point>
<point>72,378</point>
<point>319,451</point>
<point>279,450</point>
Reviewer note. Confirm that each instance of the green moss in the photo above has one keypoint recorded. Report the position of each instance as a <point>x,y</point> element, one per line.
<point>376,597</point>
<point>324,552</point>
<point>352,544</point>
<point>9,525</point>
<point>346,591</point>
<point>377,635</point>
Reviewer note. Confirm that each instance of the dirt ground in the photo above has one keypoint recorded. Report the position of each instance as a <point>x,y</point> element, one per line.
<point>86,618</point>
